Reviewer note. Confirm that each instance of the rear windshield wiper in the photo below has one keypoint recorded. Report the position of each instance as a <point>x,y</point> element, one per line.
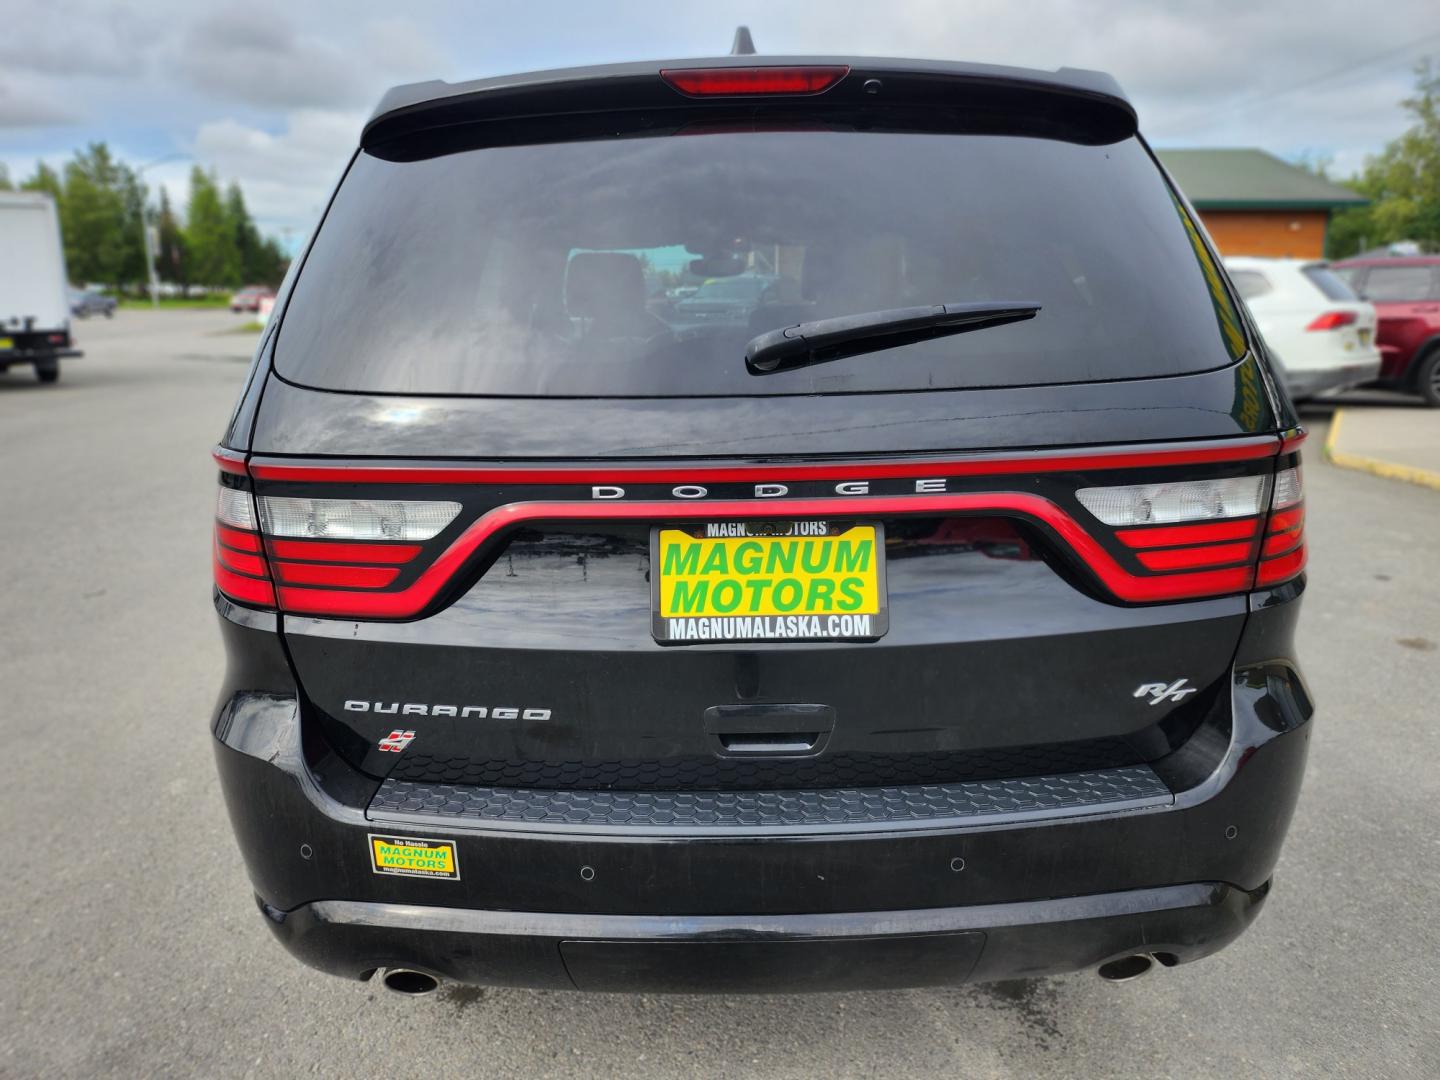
<point>824,340</point>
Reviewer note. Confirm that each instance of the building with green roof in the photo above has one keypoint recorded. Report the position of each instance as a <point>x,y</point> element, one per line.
<point>1253,203</point>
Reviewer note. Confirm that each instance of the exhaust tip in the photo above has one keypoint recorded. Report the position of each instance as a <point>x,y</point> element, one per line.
<point>1126,968</point>
<point>409,983</point>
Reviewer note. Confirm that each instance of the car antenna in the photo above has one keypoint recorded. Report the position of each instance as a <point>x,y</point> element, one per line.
<point>744,44</point>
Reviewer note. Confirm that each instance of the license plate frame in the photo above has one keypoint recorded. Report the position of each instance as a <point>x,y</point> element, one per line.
<point>746,625</point>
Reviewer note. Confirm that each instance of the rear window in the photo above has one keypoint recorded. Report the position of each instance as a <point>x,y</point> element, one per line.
<point>1400,283</point>
<point>1250,283</point>
<point>641,267</point>
<point>1328,282</point>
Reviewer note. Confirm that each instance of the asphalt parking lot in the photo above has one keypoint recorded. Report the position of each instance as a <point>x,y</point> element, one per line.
<point>133,947</point>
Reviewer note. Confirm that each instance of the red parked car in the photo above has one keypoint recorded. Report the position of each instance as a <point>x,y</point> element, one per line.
<point>1406,293</point>
<point>248,298</point>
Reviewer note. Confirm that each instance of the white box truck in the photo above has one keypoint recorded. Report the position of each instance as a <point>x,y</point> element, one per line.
<point>34,295</point>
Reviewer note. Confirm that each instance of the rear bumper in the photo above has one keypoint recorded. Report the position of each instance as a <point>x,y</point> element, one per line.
<point>1394,363</point>
<point>1304,383</point>
<point>36,356</point>
<point>777,953</point>
<point>938,900</point>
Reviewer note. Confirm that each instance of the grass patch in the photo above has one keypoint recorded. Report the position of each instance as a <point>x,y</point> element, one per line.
<point>254,326</point>
<point>207,302</point>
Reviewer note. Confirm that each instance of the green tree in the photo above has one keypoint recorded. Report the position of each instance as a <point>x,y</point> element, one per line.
<point>5,184</point>
<point>1402,182</point>
<point>170,261</point>
<point>246,237</point>
<point>271,263</point>
<point>101,206</point>
<point>133,195</point>
<point>209,238</point>
<point>45,179</point>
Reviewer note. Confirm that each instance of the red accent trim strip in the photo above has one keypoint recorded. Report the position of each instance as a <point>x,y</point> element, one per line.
<point>245,589</point>
<point>1189,558</point>
<point>1274,571</point>
<point>1153,536</point>
<point>358,577</point>
<point>230,461</point>
<point>411,600</point>
<point>1292,442</point>
<point>333,552</point>
<point>1248,449</point>
<point>239,539</point>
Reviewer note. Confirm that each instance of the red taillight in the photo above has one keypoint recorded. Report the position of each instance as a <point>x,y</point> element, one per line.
<point>248,562</point>
<point>323,551</point>
<point>1333,320</point>
<point>1282,556</point>
<point>1193,538</point>
<point>1187,558</point>
<point>734,81</point>
<point>247,590</point>
<point>240,570</point>
<point>1256,541</point>
<point>358,556</point>
<point>1177,535</point>
<point>319,575</point>
<point>1276,571</point>
<point>253,565</point>
<point>238,561</point>
<point>348,577</point>
<point>238,539</point>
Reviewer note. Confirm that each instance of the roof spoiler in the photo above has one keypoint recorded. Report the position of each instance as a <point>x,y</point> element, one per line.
<point>1088,105</point>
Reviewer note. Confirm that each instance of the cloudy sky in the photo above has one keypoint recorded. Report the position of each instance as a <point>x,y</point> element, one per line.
<point>273,94</point>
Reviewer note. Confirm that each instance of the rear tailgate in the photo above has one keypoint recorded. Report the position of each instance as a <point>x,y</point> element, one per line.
<point>491,446</point>
<point>524,646</point>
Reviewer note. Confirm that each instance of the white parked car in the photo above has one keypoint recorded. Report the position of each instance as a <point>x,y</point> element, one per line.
<point>1322,333</point>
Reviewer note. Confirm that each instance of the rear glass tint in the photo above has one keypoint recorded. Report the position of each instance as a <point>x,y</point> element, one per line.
<point>1249,283</point>
<point>641,267</point>
<point>1400,283</point>
<point>1328,282</point>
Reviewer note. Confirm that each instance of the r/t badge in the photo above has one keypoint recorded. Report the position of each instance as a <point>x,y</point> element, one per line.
<point>1158,692</point>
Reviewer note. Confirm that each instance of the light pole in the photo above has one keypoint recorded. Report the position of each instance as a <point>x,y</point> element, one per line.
<point>145,228</point>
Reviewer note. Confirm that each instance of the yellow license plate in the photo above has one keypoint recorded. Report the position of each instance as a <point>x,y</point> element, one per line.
<point>7,343</point>
<point>768,581</point>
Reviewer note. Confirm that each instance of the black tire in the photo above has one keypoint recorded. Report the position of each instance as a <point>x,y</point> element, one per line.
<point>1427,377</point>
<point>48,371</point>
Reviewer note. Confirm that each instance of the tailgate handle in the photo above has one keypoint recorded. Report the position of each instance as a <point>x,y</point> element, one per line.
<point>769,730</point>
<point>787,745</point>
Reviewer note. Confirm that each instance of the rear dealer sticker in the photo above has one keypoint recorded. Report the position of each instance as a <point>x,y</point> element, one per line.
<point>410,856</point>
<point>769,581</point>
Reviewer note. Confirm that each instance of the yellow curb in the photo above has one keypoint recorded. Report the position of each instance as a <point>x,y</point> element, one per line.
<point>1408,473</point>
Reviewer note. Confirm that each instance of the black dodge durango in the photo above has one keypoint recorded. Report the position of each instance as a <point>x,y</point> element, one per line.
<point>739,524</point>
